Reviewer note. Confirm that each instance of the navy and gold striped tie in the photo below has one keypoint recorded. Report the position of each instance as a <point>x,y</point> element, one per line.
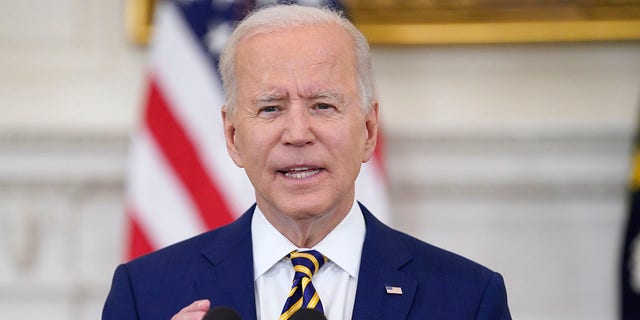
<point>303,295</point>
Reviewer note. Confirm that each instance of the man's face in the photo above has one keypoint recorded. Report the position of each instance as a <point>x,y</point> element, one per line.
<point>299,130</point>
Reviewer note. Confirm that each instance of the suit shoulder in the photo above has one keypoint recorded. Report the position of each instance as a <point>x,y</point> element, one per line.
<point>183,251</point>
<point>190,249</point>
<point>455,283</point>
<point>422,258</point>
<point>436,259</point>
<point>222,239</point>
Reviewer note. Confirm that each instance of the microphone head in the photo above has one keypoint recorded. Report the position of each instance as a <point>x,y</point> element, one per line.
<point>307,314</point>
<point>221,313</point>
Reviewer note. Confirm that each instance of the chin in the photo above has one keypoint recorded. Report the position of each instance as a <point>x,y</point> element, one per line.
<point>304,211</point>
<point>303,208</point>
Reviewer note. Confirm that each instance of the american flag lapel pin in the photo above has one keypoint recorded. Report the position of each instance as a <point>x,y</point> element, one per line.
<point>393,290</point>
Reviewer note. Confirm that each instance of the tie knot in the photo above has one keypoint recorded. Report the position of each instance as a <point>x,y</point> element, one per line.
<point>307,262</point>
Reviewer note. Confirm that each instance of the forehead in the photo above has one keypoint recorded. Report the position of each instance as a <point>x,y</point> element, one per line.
<point>316,58</point>
<point>304,33</point>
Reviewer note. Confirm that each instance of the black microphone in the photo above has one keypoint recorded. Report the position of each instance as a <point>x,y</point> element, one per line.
<point>308,314</point>
<point>221,313</point>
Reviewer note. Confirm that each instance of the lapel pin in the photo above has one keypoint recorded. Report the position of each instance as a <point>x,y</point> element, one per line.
<point>393,290</point>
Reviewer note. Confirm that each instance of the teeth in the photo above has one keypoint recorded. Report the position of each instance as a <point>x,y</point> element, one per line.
<point>299,173</point>
<point>299,169</point>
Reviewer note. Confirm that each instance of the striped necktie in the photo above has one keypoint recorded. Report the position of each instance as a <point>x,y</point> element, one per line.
<point>303,295</point>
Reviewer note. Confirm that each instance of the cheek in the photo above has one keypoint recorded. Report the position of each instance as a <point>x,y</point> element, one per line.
<point>255,145</point>
<point>347,144</point>
<point>357,136</point>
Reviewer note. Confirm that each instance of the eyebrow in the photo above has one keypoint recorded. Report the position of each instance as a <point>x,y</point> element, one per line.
<point>275,95</point>
<point>332,95</point>
<point>269,97</point>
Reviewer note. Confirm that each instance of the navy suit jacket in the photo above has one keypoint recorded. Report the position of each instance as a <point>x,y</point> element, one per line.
<point>218,265</point>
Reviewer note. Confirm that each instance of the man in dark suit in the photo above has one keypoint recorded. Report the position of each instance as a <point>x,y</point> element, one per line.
<point>301,116</point>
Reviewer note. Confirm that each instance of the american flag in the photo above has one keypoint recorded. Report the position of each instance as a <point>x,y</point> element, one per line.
<point>629,275</point>
<point>181,182</point>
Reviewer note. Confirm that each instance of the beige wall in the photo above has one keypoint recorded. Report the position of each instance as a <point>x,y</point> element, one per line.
<point>513,155</point>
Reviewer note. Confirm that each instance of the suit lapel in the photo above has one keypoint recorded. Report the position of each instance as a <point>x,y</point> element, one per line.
<point>228,278</point>
<point>383,254</point>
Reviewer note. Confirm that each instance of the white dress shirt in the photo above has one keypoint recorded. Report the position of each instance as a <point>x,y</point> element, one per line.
<point>335,282</point>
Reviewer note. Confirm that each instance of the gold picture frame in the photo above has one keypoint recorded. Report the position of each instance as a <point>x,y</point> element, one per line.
<point>420,22</point>
<point>139,20</point>
<point>415,22</point>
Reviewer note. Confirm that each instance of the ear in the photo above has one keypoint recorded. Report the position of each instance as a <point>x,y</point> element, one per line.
<point>228,123</point>
<point>371,124</point>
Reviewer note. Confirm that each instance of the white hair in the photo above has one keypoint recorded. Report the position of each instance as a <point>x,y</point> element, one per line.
<point>282,17</point>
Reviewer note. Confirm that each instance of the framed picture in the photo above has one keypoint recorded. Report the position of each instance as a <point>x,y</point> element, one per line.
<point>413,22</point>
<point>416,22</point>
<point>139,20</point>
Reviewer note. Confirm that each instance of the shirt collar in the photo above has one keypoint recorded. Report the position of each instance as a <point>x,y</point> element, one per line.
<point>343,245</point>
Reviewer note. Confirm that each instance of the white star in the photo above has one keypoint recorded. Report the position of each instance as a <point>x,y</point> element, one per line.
<point>310,3</point>
<point>186,2</point>
<point>217,37</point>
<point>221,3</point>
<point>260,3</point>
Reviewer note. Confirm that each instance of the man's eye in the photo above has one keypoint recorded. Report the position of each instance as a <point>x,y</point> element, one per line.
<point>269,109</point>
<point>323,106</point>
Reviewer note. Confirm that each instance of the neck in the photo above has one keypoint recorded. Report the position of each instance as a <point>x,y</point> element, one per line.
<point>306,230</point>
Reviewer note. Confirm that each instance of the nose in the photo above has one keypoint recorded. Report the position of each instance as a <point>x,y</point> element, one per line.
<point>298,131</point>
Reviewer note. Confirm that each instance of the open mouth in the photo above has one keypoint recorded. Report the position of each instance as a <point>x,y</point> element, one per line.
<point>300,172</point>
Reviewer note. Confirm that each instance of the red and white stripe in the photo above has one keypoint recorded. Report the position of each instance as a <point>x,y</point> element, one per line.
<point>181,180</point>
